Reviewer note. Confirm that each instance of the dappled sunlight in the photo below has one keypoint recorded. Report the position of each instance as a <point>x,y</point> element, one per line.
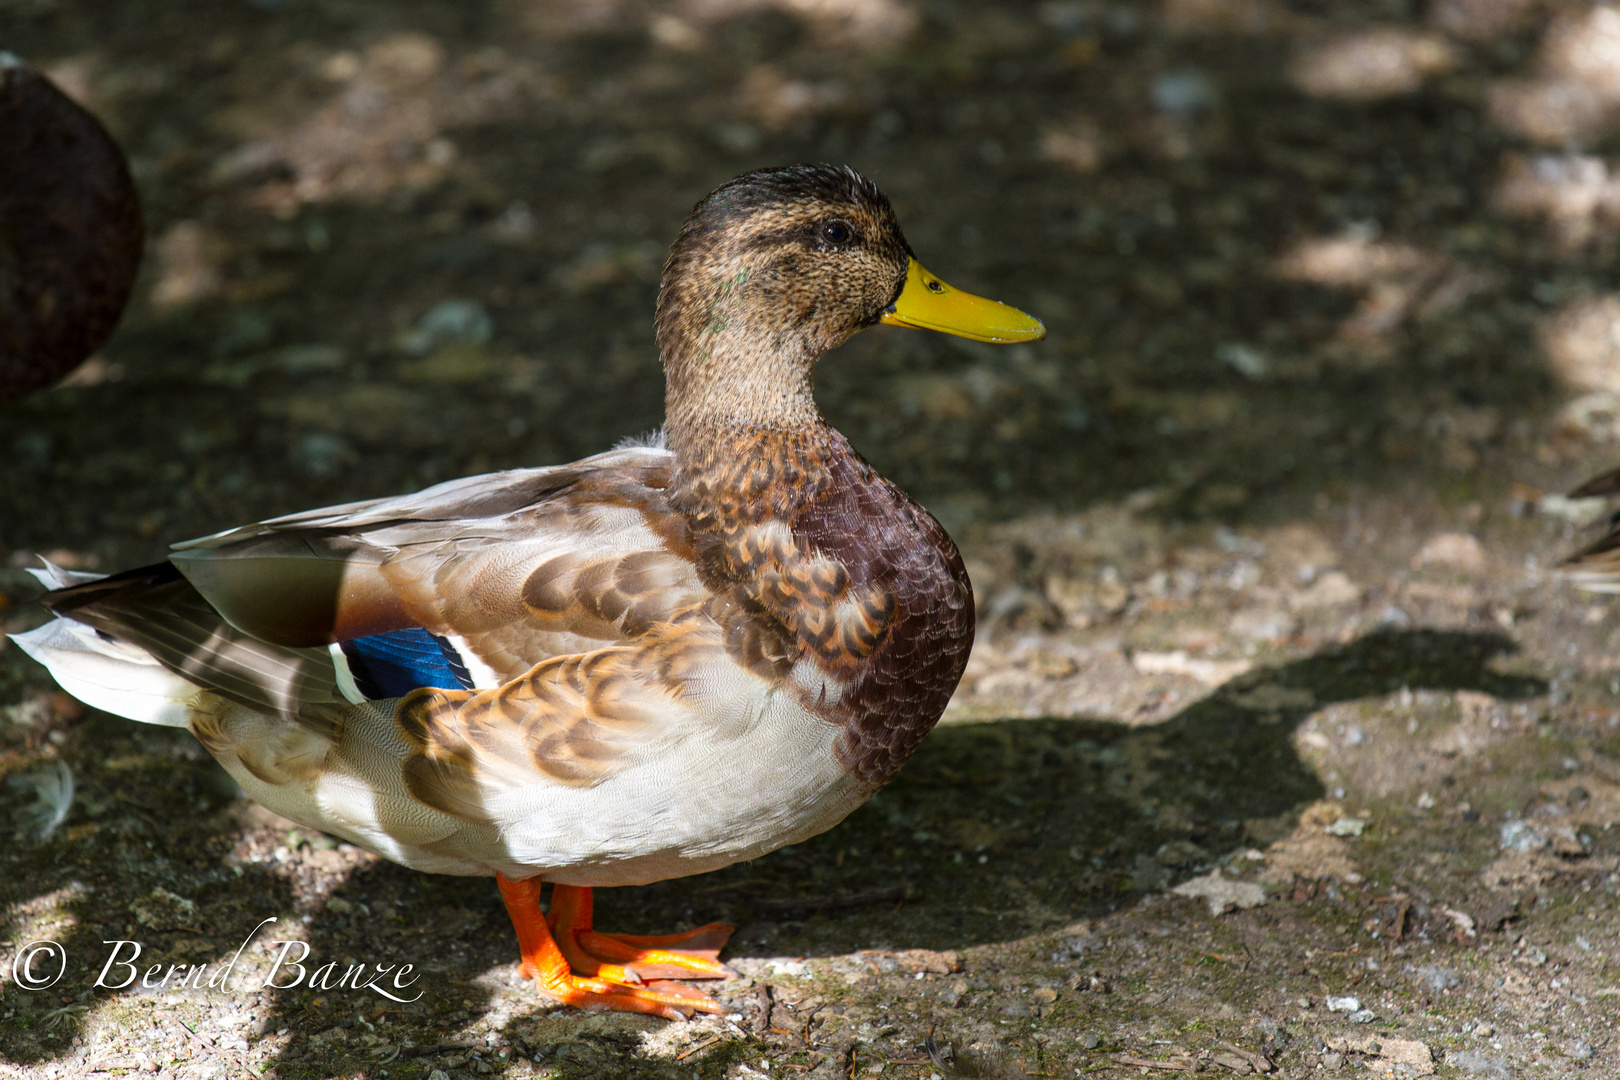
<point>1397,282</point>
<point>1080,145</point>
<point>1574,97</point>
<point>187,265</point>
<point>1218,16</point>
<point>863,24</point>
<point>1482,21</point>
<point>866,24</point>
<point>1576,195</point>
<point>383,126</point>
<point>1582,341</point>
<point>1369,64</point>
<point>563,20</point>
<point>776,100</point>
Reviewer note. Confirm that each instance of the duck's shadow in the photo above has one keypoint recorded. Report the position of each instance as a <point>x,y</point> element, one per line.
<point>994,831</point>
<point>998,830</point>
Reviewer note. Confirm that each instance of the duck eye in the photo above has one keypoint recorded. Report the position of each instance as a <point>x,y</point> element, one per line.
<point>836,233</point>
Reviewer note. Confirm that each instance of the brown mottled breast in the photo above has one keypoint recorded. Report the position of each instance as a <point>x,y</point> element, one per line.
<point>826,564</point>
<point>892,549</point>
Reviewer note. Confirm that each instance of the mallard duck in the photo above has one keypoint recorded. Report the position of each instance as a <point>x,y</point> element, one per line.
<point>1596,567</point>
<point>651,663</point>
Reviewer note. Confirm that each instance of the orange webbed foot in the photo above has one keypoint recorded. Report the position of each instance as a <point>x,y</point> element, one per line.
<point>633,958</point>
<point>671,956</point>
<point>581,967</point>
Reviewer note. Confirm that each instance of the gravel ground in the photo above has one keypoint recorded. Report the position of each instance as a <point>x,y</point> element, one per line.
<point>1281,749</point>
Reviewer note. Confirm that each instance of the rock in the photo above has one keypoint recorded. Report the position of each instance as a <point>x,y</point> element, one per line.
<point>1346,826</point>
<point>1456,551</point>
<point>1436,977</point>
<point>1410,1053</point>
<point>764,968</point>
<point>1523,836</point>
<point>1309,855</point>
<point>1183,92</point>
<point>1343,1004</point>
<point>1476,1064</point>
<point>1222,893</point>
<point>448,322</point>
<point>306,359</point>
<point>1331,589</point>
<point>1246,360</point>
<point>1261,624</point>
<point>1390,1056</point>
<point>926,960</point>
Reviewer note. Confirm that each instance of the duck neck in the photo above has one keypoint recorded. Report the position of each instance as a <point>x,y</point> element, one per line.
<point>748,440</point>
<point>731,374</point>
<point>719,385</point>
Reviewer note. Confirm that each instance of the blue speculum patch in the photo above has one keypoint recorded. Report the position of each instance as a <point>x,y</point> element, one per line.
<point>393,664</point>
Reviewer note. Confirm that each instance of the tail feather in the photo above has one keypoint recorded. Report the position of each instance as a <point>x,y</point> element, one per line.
<point>60,577</point>
<point>144,643</point>
<point>110,675</point>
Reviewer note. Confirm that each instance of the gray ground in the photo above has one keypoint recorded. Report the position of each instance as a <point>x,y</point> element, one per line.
<point>1260,533</point>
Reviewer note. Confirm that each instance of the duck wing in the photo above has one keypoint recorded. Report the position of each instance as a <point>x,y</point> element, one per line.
<point>503,570</point>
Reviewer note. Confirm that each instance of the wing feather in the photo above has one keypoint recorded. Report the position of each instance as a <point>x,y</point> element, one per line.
<point>157,610</point>
<point>517,566</point>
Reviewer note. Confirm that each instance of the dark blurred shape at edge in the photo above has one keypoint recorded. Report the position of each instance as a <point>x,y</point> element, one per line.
<point>70,232</point>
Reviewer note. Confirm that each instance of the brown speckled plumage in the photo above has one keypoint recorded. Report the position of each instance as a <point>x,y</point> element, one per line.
<point>828,557</point>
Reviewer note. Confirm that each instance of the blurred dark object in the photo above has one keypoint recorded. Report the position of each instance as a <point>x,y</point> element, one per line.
<point>70,232</point>
<point>1599,486</point>
<point>1596,567</point>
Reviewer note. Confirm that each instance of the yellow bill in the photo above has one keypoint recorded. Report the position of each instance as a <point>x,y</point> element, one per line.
<point>927,303</point>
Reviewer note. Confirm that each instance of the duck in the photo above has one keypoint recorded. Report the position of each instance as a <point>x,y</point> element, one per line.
<point>654,662</point>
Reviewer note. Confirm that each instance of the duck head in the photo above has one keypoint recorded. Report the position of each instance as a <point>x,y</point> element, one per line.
<point>773,269</point>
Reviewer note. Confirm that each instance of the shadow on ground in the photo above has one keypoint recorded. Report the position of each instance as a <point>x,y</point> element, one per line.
<point>993,832</point>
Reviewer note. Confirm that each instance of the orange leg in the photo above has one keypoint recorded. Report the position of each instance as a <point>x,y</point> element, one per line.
<point>692,955</point>
<point>544,962</point>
